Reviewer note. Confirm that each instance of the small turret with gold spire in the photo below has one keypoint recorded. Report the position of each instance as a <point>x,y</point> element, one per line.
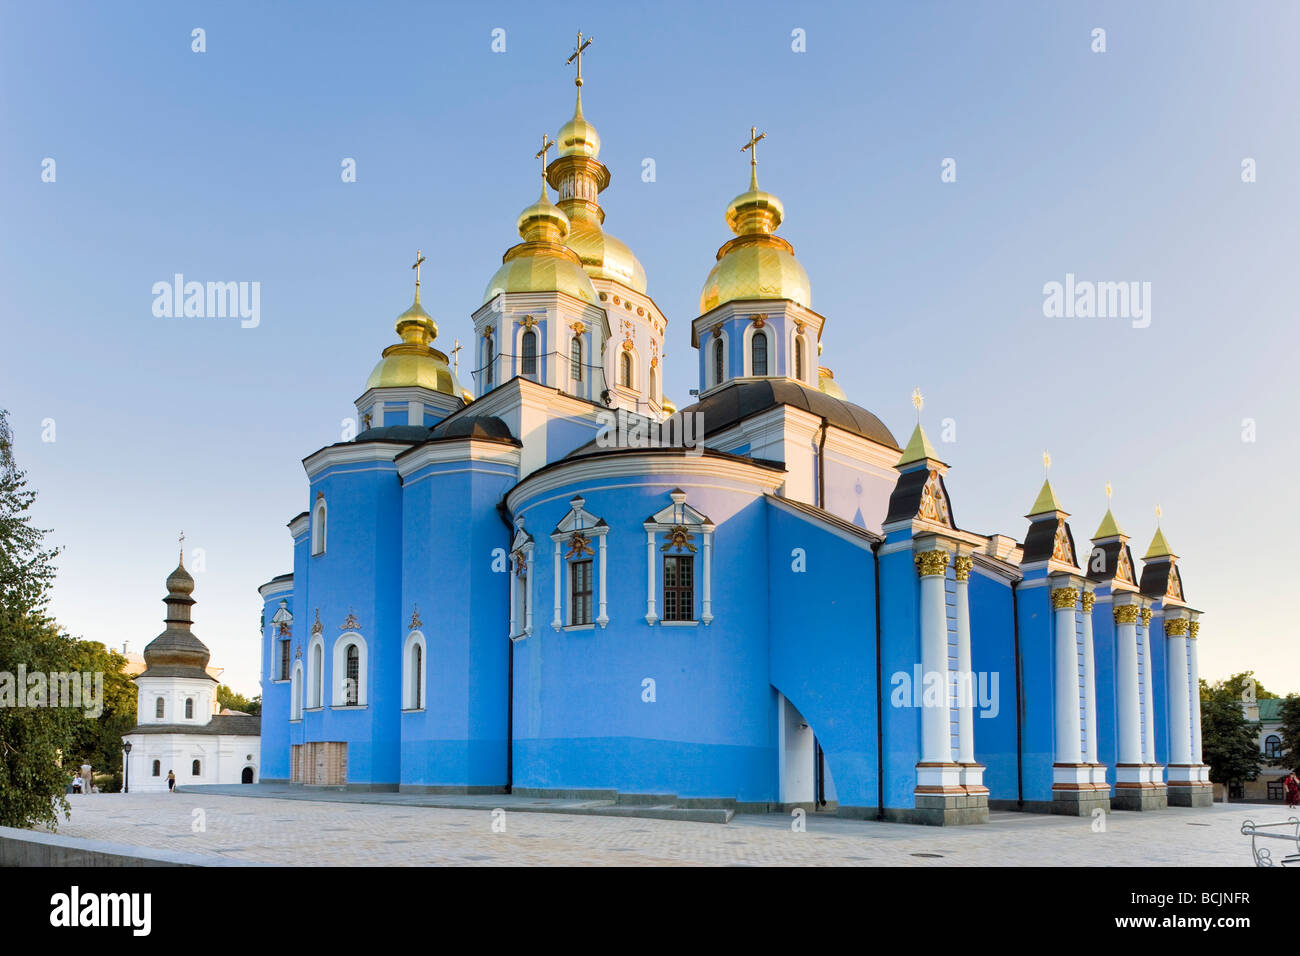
<point>414,361</point>
<point>1049,537</point>
<point>1161,579</point>
<point>1111,560</point>
<point>920,494</point>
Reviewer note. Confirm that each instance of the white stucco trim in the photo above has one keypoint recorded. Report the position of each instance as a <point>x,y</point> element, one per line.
<point>319,526</point>
<point>295,691</point>
<point>315,696</point>
<point>747,354</point>
<point>345,640</point>
<point>409,702</point>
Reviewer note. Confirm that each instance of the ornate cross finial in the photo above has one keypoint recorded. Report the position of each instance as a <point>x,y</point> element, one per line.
<point>181,543</point>
<point>456,358</point>
<point>752,146</point>
<point>1047,463</point>
<point>1108,494</point>
<point>1159,512</point>
<point>577,55</point>
<point>547,143</point>
<point>419,259</point>
<point>918,402</point>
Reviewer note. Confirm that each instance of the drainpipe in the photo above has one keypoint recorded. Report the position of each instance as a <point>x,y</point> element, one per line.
<point>821,466</point>
<point>1020,752</point>
<point>508,519</point>
<point>880,726</point>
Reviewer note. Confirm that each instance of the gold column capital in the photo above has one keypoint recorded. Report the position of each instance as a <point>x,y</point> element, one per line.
<point>1176,627</point>
<point>1193,628</point>
<point>1064,598</point>
<point>1089,599</point>
<point>962,567</point>
<point>931,563</point>
<point>1126,613</point>
<point>1146,617</point>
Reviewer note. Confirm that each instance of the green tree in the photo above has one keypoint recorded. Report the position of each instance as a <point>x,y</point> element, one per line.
<point>231,700</point>
<point>1290,731</point>
<point>1237,684</point>
<point>32,739</point>
<point>98,740</point>
<point>1228,742</point>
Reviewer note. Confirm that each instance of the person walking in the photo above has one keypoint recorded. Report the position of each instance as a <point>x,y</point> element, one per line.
<point>1292,784</point>
<point>171,781</point>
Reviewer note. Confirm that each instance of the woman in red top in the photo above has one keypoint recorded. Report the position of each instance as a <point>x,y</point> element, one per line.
<point>1292,784</point>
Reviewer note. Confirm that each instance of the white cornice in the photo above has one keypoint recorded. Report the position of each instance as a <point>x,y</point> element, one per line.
<point>351,453</point>
<point>743,308</point>
<point>825,524</point>
<point>276,587</point>
<point>300,525</point>
<point>458,450</point>
<point>408,393</point>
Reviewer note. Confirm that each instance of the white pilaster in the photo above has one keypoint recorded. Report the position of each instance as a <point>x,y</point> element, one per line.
<point>707,598</point>
<point>1066,677</point>
<point>604,617</point>
<point>1180,739</point>
<point>555,621</point>
<point>965,677</point>
<point>1089,678</point>
<point>1128,709</point>
<point>650,615</point>
<point>936,746</point>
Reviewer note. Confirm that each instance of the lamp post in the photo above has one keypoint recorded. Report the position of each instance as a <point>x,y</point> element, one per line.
<point>126,750</point>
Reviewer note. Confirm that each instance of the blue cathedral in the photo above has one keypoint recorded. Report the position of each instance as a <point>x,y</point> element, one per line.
<point>760,601</point>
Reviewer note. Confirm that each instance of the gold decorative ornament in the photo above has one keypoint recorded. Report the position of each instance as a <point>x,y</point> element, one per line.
<point>1193,628</point>
<point>1065,598</point>
<point>679,539</point>
<point>578,328</point>
<point>932,563</point>
<point>415,618</point>
<point>934,505</point>
<point>350,623</point>
<point>578,546</point>
<point>1061,550</point>
<point>640,310</point>
<point>962,567</point>
<point>521,564</point>
<point>317,626</point>
<point>1146,616</point>
<point>758,320</point>
<point>1126,613</point>
<point>1176,627</point>
<point>528,322</point>
<point>1089,599</point>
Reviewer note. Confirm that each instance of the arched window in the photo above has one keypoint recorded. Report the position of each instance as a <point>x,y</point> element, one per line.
<point>158,708</point>
<point>575,359</point>
<point>157,768</point>
<point>195,769</point>
<point>529,349</point>
<point>625,369</point>
<point>353,672</point>
<point>413,672</point>
<point>653,394</point>
<point>798,357</point>
<point>295,693</point>
<point>1273,746</point>
<point>315,674</point>
<point>488,362</point>
<point>318,527</point>
<point>189,708</point>
<point>417,664</point>
<point>758,354</point>
<point>717,362</point>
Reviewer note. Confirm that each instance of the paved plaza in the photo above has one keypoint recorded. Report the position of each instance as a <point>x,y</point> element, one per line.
<point>338,829</point>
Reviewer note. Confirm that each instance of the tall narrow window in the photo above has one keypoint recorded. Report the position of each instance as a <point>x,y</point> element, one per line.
<point>758,354</point>
<point>625,369</point>
<point>1272,746</point>
<point>798,357</point>
<point>653,394</point>
<point>417,662</point>
<point>353,675</point>
<point>679,587</point>
<point>580,592</point>
<point>284,660</point>
<point>158,708</point>
<point>528,345</point>
<point>318,527</point>
<point>488,363</point>
<point>575,359</point>
<point>194,769</point>
<point>189,708</point>
<point>157,768</point>
<point>315,676</point>
<point>717,362</point>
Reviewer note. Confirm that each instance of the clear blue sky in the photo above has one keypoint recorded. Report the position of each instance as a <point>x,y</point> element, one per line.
<point>225,166</point>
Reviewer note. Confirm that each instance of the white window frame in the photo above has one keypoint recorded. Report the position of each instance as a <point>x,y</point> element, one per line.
<point>536,329</point>
<point>341,645</point>
<point>295,691</point>
<point>577,520</point>
<point>679,513</point>
<point>721,336</point>
<point>409,702</point>
<point>748,348</point>
<point>791,351</point>
<point>314,698</point>
<point>319,526</point>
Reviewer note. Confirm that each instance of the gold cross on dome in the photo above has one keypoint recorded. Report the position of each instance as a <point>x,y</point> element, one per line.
<point>752,146</point>
<point>456,358</point>
<point>547,143</point>
<point>181,542</point>
<point>918,402</point>
<point>419,259</point>
<point>577,55</point>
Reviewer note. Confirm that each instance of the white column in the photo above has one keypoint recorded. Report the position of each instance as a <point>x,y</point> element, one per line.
<point>1066,677</point>
<point>707,614</point>
<point>650,615</point>
<point>1195,691</point>
<point>514,585</point>
<point>1128,710</point>
<point>528,590</point>
<point>1089,679</point>
<point>1180,741</point>
<point>965,677</point>
<point>555,622</point>
<point>1149,679</point>
<point>936,746</point>
<point>604,618</point>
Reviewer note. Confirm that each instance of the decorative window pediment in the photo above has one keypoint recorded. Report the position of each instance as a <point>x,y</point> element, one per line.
<point>684,531</point>
<point>579,537</point>
<point>1174,587</point>
<point>1062,547</point>
<point>521,602</point>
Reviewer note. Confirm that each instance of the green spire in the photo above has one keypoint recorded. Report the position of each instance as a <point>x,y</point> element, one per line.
<point>1046,502</point>
<point>918,448</point>
<point>1109,527</point>
<point>1159,547</point>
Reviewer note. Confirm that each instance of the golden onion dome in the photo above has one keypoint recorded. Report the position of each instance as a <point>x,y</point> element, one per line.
<point>577,136</point>
<point>414,361</point>
<point>667,405</point>
<point>757,264</point>
<point>826,383</point>
<point>603,256</point>
<point>542,262</point>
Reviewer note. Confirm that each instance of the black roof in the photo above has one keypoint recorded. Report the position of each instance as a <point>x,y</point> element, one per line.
<point>905,500</point>
<point>485,427</point>
<point>242,725</point>
<point>738,401</point>
<point>1110,551</point>
<point>1040,540</point>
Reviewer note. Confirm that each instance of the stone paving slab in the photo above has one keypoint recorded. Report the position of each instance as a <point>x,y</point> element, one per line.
<point>345,831</point>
